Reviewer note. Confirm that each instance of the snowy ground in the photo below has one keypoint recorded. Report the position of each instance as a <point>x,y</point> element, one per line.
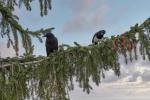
<point>115,91</point>
<point>133,84</point>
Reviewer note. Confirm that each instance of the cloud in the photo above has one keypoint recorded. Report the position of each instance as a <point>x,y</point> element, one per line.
<point>77,5</point>
<point>87,14</point>
<point>6,52</point>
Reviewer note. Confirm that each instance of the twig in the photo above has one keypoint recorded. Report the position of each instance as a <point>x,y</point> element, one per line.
<point>25,63</point>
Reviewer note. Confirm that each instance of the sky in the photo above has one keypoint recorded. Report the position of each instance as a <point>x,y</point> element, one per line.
<point>78,20</point>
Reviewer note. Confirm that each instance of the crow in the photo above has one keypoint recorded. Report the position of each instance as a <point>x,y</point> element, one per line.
<point>98,36</point>
<point>51,43</point>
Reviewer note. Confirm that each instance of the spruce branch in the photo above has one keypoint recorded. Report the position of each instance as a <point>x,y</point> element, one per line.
<point>9,25</point>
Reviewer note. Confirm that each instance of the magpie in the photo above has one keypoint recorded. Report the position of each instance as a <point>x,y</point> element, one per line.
<point>51,43</point>
<point>98,36</point>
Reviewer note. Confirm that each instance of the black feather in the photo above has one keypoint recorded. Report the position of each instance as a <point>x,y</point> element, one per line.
<point>51,43</point>
<point>98,36</point>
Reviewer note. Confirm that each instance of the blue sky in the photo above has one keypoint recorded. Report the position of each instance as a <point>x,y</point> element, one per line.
<point>78,20</point>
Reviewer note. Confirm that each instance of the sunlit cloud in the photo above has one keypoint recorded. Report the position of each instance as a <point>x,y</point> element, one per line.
<point>86,15</point>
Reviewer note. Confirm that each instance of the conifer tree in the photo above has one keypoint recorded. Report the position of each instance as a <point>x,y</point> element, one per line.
<point>10,26</point>
<point>52,77</point>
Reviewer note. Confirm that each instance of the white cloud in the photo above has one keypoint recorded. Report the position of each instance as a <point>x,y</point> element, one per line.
<point>87,15</point>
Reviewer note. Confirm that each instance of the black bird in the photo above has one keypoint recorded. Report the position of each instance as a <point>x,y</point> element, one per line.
<point>51,43</point>
<point>98,36</point>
